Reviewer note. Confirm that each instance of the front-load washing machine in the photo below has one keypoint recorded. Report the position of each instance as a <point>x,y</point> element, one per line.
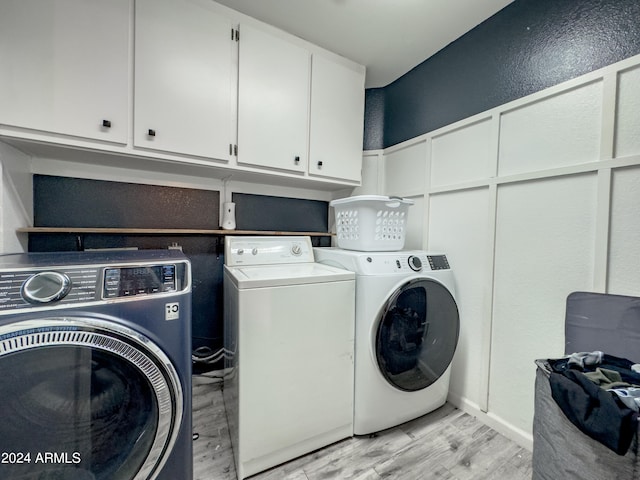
<point>289,335</point>
<point>95,366</point>
<point>407,327</point>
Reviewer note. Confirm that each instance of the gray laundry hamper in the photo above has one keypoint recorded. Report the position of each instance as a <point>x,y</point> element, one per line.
<point>610,323</point>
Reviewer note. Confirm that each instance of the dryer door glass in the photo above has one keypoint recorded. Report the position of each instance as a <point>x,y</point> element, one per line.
<point>85,403</point>
<point>417,334</point>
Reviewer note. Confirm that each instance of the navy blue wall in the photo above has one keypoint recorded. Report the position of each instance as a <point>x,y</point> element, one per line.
<point>62,202</point>
<point>526,47</point>
<point>374,118</point>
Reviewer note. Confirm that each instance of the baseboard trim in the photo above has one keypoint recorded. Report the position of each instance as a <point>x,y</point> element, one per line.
<point>521,437</point>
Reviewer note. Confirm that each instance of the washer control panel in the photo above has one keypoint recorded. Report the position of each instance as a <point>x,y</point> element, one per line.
<point>60,286</point>
<point>42,287</point>
<point>267,250</point>
<point>129,281</point>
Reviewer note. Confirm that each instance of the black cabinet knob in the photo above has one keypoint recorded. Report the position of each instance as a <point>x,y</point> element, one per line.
<point>320,164</point>
<point>106,123</point>
<point>151,132</point>
<point>296,160</point>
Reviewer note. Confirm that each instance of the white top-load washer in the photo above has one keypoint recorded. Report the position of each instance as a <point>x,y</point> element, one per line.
<point>289,340</point>
<point>407,327</point>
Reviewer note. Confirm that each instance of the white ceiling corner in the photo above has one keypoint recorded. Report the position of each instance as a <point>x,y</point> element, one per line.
<point>389,37</point>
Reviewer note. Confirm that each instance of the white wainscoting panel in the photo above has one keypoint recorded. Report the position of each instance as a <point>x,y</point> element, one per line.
<point>404,171</point>
<point>624,236</point>
<point>459,224</point>
<point>557,131</point>
<point>628,113</point>
<point>530,203</point>
<point>370,175</point>
<point>415,224</point>
<point>462,155</point>
<point>544,249</point>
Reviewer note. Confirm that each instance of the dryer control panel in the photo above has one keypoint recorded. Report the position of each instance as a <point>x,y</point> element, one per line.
<point>384,263</point>
<point>438,262</point>
<point>403,262</point>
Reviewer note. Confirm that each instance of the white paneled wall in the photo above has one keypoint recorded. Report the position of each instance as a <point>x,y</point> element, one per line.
<point>404,175</point>
<point>544,245</point>
<point>404,170</point>
<point>553,132</point>
<point>371,176</point>
<point>415,224</point>
<point>628,113</point>
<point>459,225</point>
<point>624,246</point>
<point>530,204</point>
<point>462,155</point>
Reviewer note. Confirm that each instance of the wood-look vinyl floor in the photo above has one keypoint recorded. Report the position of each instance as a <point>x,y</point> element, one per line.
<point>445,444</point>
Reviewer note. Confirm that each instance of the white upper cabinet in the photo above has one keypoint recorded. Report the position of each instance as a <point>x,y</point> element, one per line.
<point>170,80</point>
<point>65,67</point>
<point>184,95</point>
<point>337,119</point>
<point>298,111</point>
<point>273,101</point>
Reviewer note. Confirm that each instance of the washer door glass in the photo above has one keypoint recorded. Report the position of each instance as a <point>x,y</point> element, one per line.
<point>83,402</point>
<point>417,334</point>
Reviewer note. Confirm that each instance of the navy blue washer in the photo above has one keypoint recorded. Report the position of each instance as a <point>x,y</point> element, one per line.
<point>95,366</point>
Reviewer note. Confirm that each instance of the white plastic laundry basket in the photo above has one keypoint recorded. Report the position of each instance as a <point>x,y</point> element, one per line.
<point>371,223</point>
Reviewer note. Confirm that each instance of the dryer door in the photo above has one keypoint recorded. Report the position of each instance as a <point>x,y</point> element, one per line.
<point>417,334</point>
<point>83,398</point>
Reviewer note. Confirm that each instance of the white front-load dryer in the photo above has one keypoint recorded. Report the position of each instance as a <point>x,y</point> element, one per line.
<point>407,326</point>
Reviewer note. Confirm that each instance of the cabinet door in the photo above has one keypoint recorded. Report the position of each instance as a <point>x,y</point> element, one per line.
<point>273,101</point>
<point>65,67</point>
<point>183,78</point>
<point>337,120</point>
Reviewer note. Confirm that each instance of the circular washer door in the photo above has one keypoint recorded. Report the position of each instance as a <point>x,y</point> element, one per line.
<point>417,334</point>
<point>84,398</point>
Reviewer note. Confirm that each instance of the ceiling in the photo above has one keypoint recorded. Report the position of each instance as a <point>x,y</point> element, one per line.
<point>389,37</point>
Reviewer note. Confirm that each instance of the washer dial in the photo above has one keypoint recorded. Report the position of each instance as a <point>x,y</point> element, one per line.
<point>46,287</point>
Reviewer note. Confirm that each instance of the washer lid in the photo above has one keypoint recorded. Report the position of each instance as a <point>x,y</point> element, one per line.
<point>288,274</point>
